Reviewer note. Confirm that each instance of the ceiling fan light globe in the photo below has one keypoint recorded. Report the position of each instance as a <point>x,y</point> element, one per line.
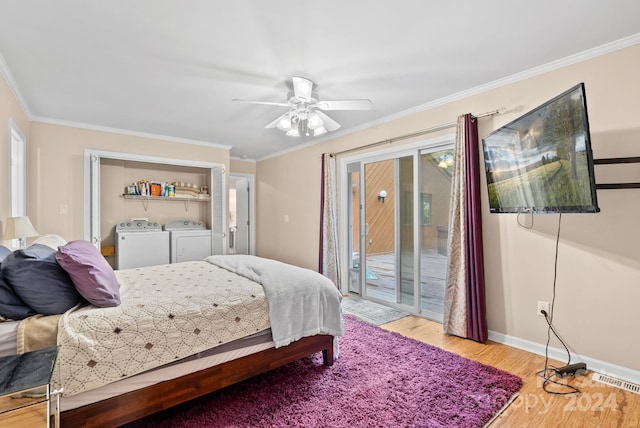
<point>284,124</point>
<point>319,131</point>
<point>315,121</point>
<point>293,132</point>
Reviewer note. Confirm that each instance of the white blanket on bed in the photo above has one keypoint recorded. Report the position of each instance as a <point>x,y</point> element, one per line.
<point>301,302</point>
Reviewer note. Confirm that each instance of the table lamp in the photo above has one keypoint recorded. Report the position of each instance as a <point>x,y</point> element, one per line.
<point>19,228</point>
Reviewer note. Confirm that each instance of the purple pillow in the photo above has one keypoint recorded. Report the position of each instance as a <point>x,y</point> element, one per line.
<point>91,274</point>
<point>37,279</point>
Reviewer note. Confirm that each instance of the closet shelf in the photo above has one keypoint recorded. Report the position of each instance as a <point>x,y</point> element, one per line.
<point>145,199</point>
<point>168,198</point>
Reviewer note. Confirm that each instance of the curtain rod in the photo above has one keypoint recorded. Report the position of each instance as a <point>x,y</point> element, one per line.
<point>414,134</point>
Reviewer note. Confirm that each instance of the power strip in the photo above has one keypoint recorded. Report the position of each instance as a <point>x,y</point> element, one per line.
<point>571,370</point>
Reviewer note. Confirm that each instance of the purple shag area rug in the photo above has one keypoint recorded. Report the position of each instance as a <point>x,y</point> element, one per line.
<point>381,379</point>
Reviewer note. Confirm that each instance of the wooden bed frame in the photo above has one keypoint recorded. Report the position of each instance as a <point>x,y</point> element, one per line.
<point>137,404</point>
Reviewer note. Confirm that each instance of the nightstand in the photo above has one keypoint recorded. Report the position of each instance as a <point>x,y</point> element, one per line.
<point>25,391</point>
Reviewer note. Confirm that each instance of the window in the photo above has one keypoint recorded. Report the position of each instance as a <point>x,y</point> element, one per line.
<point>17,173</point>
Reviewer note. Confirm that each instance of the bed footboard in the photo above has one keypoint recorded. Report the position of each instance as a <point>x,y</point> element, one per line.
<point>143,402</point>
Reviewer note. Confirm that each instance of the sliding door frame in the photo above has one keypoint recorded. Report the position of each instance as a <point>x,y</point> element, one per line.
<point>413,149</point>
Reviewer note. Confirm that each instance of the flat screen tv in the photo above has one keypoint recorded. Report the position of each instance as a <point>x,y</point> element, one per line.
<point>542,161</point>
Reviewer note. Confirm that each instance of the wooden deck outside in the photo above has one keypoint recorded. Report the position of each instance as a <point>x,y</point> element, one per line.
<point>383,286</point>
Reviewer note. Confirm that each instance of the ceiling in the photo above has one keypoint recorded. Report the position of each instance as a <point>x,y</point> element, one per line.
<point>170,68</point>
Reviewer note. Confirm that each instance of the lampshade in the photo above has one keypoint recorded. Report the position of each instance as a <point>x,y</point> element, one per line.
<point>19,227</point>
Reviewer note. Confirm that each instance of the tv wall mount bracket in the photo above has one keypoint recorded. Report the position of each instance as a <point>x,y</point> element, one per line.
<point>609,161</point>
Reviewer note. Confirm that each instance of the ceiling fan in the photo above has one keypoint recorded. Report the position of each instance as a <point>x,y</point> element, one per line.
<point>305,115</point>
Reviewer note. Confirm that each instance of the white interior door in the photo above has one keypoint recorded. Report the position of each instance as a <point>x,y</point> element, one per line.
<point>242,216</point>
<point>92,231</point>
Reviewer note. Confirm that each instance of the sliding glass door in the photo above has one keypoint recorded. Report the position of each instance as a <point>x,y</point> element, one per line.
<point>378,249</point>
<point>398,222</point>
<point>433,212</point>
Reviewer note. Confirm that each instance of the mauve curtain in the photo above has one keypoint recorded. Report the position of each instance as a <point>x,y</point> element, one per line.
<point>328,251</point>
<point>465,310</point>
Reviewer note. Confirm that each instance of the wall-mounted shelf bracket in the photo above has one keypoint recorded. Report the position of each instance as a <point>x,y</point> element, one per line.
<point>610,161</point>
<point>145,200</point>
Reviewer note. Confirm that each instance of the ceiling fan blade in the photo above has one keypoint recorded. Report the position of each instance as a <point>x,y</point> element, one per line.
<point>269,103</point>
<point>302,88</point>
<point>329,124</point>
<point>363,104</point>
<point>275,122</point>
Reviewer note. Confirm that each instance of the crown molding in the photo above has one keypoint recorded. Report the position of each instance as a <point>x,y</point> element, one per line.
<point>128,132</point>
<point>545,68</point>
<point>13,86</point>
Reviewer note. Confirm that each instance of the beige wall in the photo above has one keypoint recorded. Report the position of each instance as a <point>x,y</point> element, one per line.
<point>56,154</point>
<point>9,109</point>
<point>242,167</point>
<point>598,284</point>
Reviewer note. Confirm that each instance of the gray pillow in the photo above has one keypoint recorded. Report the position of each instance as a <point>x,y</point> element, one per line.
<point>38,280</point>
<point>10,305</point>
<point>4,252</point>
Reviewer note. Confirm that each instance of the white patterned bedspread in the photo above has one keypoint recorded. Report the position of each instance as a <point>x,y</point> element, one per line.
<point>168,312</point>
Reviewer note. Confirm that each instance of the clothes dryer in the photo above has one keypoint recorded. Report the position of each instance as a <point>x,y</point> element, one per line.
<point>140,243</point>
<point>189,240</point>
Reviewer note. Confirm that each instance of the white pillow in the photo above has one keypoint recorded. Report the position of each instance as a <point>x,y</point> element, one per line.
<point>51,240</point>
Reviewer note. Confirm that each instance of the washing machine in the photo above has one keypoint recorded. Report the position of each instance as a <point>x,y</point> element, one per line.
<point>141,243</point>
<point>189,240</point>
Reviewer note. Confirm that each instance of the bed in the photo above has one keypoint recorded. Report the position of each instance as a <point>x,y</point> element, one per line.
<point>181,331</point>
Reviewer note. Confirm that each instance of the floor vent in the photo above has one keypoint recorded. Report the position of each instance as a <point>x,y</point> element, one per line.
<point>622,384</point>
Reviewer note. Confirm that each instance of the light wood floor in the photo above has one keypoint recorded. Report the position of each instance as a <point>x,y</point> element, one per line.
<point>598,405</point>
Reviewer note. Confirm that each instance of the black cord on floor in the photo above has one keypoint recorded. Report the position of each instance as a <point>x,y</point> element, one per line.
<point>548,371</point>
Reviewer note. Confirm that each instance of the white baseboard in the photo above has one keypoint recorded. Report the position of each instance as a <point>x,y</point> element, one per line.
<point>599,366</point>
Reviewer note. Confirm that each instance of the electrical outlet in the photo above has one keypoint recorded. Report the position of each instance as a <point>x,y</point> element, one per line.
<point>542,306</point>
